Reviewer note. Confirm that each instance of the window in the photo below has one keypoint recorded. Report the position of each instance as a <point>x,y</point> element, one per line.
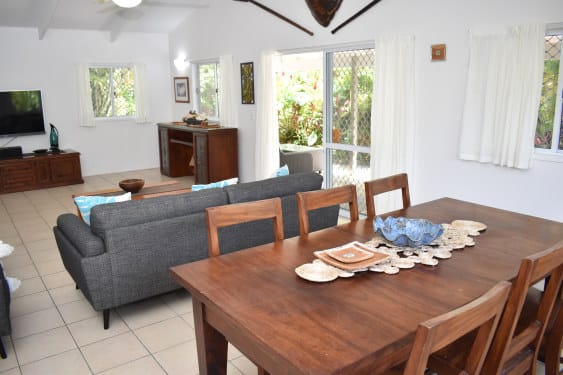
<point>113,91</point>
<point>549,131</point>
<point>208,82</point>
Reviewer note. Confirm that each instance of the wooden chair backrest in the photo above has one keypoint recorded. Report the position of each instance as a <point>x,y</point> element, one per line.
<point>434,334</point>
<point>223,216</point>
<point>383,185</point>
<point>312,200</point>
<point>520,351</point>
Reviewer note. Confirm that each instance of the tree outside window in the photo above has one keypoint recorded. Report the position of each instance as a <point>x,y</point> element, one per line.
<point>113,91</point>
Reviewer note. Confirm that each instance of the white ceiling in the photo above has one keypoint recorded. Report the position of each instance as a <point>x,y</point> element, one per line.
<point>153,16</point>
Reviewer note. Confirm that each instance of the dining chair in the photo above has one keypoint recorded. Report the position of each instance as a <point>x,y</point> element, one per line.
<point>482,314</point>
<point>553,342</point>
<point>231,214</point>
<point>516,343</point>
<point>383,185</point>
<point>312,200</point>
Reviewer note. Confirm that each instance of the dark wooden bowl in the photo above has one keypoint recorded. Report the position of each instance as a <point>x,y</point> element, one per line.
<point>132,185</point>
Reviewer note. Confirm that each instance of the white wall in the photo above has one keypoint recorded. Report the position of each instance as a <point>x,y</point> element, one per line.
<point>244,30</point>
<point>48,64</point>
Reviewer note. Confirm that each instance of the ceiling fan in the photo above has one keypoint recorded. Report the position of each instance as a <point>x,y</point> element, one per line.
<point>155,3</point>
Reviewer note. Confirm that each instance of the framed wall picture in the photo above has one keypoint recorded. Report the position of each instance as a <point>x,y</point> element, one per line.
<point>247,82</point>
<point>182,89</point>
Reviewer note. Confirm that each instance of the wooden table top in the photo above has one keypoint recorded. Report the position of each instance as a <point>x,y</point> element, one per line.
<point>363,324</point>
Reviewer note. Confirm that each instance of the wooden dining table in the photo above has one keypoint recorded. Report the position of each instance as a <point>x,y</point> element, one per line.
<point>364,324</point>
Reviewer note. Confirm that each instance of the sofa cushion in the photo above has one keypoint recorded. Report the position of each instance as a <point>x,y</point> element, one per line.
<point>110,216</point>
<point>85,203</point>
<point>274,187</point>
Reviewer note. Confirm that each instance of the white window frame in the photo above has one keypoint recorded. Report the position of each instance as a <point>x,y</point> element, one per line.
<point>113,66</point>
<point>553,153</point>
<point>197,84</point>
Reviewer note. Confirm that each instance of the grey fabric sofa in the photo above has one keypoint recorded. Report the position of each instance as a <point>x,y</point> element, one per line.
<point>5,326</point>
<point>125,255</point>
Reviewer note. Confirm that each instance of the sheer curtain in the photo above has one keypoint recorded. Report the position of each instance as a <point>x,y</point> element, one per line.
<point>392,113</point>
<point>227,104</point>
<point>85,108</point>
<point>502,96</point>
<point>267,139</point>
<point>141,94</point>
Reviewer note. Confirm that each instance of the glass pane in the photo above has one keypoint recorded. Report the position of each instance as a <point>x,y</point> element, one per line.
<point>350,167</point>
<point>352,74</point>
<point>300,99</point>
<point>124,91</point>
<point>544,129</point>
<point>100,85</point>
<point>208,89</point>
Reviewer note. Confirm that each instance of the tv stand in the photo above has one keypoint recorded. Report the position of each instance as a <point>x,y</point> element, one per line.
<point>40,170</point>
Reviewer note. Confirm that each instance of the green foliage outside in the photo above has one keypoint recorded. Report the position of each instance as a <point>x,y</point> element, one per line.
<point>123,81</point>
<point>300,108</point>
<point>544,129</point>
<point>208,81</point>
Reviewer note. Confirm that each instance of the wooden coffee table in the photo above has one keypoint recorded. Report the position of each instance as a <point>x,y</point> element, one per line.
<point>152,190</point>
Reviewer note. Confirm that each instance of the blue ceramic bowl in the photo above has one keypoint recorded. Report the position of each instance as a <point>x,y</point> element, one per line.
<point>402,231</point>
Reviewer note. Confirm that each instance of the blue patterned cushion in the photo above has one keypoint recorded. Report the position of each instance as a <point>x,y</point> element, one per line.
<point>282,171</point>
<point>85,203</point>
<point>218,184</point>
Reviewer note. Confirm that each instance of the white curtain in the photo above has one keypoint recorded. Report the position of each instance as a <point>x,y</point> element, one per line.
<point>141,94</point>
<point>267,139</point>
<point>392,113</point>
<point>85,107</point>
<point>502,96</point>
<point>227,96</point>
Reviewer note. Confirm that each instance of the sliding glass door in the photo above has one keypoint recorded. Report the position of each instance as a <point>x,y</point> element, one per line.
<point>348,95</point>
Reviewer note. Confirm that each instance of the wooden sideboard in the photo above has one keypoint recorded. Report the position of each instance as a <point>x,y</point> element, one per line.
<point>38,171</point>
<point>209,154</point>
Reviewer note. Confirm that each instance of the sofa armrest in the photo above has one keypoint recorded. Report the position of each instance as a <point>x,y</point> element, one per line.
<point>80,236</point>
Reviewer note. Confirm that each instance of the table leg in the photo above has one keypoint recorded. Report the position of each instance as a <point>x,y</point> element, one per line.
<point>211,344</point>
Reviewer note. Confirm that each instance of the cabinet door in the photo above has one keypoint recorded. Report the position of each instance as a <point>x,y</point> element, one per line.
<point>201,159</point>
<point>65,169</point>
<point>42,172</point>
<point>18,177</point>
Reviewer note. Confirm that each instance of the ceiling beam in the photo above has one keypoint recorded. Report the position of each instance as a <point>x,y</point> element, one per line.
<point>45,10</point>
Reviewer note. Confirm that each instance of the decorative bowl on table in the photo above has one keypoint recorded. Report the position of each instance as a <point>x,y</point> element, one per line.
<point>402,231</point>
<point>132,185</point>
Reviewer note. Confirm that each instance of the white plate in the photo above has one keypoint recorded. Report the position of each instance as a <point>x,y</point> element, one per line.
<point>316,272</point>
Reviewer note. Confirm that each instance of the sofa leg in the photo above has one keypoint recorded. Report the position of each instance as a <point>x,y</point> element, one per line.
<point>2,349</point>
<point>77,287</point>
<point>106,318</point>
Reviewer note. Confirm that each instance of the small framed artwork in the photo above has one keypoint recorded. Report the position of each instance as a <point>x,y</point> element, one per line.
<point>438,52</point>
<point>182,89</point>
<point>247,82</point>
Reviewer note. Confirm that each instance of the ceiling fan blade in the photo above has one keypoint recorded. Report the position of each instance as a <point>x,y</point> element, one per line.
<point>167,4</point>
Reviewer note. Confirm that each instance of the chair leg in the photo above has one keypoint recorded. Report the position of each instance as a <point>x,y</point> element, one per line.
<point>106,318</point>
<point>554,343</point>
<point>2,349</point>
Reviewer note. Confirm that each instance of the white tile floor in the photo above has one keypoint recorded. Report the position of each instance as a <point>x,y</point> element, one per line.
<point>54,328</point>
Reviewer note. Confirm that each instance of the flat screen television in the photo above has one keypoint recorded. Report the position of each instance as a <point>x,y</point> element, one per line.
<point>21,113</point>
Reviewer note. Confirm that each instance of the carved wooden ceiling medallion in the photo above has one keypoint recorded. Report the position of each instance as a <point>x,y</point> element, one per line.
<point>323,10</point>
